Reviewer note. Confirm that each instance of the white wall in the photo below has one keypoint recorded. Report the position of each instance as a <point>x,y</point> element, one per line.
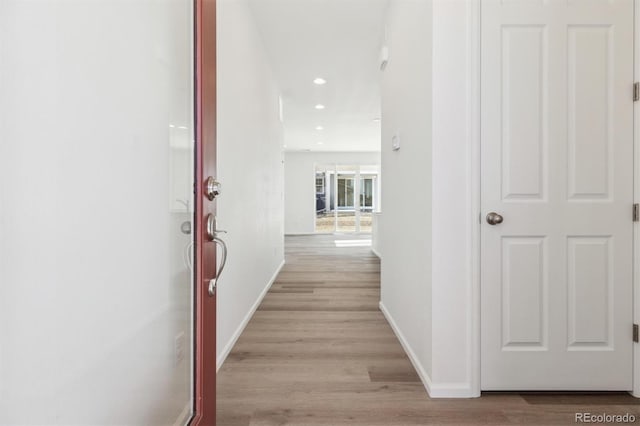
<point>455,212</point>
<point>299,184</point>
<point>443,75</point>
<point>250,168</point>
<point>90,296</point>
<point>405,225</point>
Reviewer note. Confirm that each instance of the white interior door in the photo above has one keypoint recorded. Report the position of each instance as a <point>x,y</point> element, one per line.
<point>557,165</point>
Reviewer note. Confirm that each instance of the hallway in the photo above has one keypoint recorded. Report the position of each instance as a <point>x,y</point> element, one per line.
<point>319,352</point>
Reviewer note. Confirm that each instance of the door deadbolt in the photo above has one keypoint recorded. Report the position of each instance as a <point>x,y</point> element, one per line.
<point>212,188</point>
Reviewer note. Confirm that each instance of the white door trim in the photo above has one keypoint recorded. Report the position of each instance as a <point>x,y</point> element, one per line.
<point>474,142</point>
<point>473,115</point>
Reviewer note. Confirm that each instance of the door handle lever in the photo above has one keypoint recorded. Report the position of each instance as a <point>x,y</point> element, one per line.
<point>214,281</point>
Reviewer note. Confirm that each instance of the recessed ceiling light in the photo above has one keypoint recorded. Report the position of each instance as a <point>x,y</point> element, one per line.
<point>172,126</point>
<point>320,143</point>
<point>319,128</point>
<point>319,106</point>
<point>319,81</point>
<point>376,120</point>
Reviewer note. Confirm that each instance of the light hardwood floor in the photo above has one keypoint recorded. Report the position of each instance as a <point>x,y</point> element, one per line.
<point>319,352</point>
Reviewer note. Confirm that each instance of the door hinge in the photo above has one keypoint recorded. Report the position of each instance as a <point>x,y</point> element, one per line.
<point>635,333</point>
<point>636,212</point>
<point>636,92</point>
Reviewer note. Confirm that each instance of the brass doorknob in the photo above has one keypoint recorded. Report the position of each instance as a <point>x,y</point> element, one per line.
<point>494,218</point>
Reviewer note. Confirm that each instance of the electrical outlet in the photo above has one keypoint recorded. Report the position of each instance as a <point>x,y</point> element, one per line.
<point>178,348</point>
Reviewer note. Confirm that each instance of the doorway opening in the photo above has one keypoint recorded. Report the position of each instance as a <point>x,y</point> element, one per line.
<point>346,197</point>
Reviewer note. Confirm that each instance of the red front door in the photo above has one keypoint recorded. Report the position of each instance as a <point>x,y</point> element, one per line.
<point>205,253</point>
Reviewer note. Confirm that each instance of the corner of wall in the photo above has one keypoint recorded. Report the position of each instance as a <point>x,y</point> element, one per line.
<point>415,361</point>
<point>455,200</point>
<point>423,272</point>
<point>406,231</point>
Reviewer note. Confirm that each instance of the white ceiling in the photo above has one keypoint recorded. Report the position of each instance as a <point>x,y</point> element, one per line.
<point>340,41</point>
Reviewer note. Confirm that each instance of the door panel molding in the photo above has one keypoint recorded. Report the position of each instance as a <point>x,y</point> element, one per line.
<point>600,188</point>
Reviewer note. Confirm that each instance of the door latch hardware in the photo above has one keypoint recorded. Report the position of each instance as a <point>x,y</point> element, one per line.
<point>213,283</point>
<point>212,188</point>
<point>636,212</point>
<point>635,333</point>
<point>494,218</point>
<point>636,92</point>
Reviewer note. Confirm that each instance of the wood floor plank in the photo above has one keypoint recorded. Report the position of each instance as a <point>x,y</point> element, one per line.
<point>319,352</point>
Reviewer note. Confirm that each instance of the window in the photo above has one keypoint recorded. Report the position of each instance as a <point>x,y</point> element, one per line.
<point>346,197</point>
<point>366,193</point>
<point>346,193</point>
<point>319,184</point>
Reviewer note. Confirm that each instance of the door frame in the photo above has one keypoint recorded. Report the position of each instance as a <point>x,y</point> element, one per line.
<point>473,90</point>
<point>636,198</point>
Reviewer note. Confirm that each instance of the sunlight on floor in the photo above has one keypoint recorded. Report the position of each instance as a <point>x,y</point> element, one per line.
<point>353,243</point>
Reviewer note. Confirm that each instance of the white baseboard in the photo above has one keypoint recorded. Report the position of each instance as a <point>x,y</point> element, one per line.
<point>236,335</point>
<point>426,380</point>
<point>451,390</point>
<point>374,251</point>
<point>435,390</point>
<point>184,416</point>
<point>296,234</point>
